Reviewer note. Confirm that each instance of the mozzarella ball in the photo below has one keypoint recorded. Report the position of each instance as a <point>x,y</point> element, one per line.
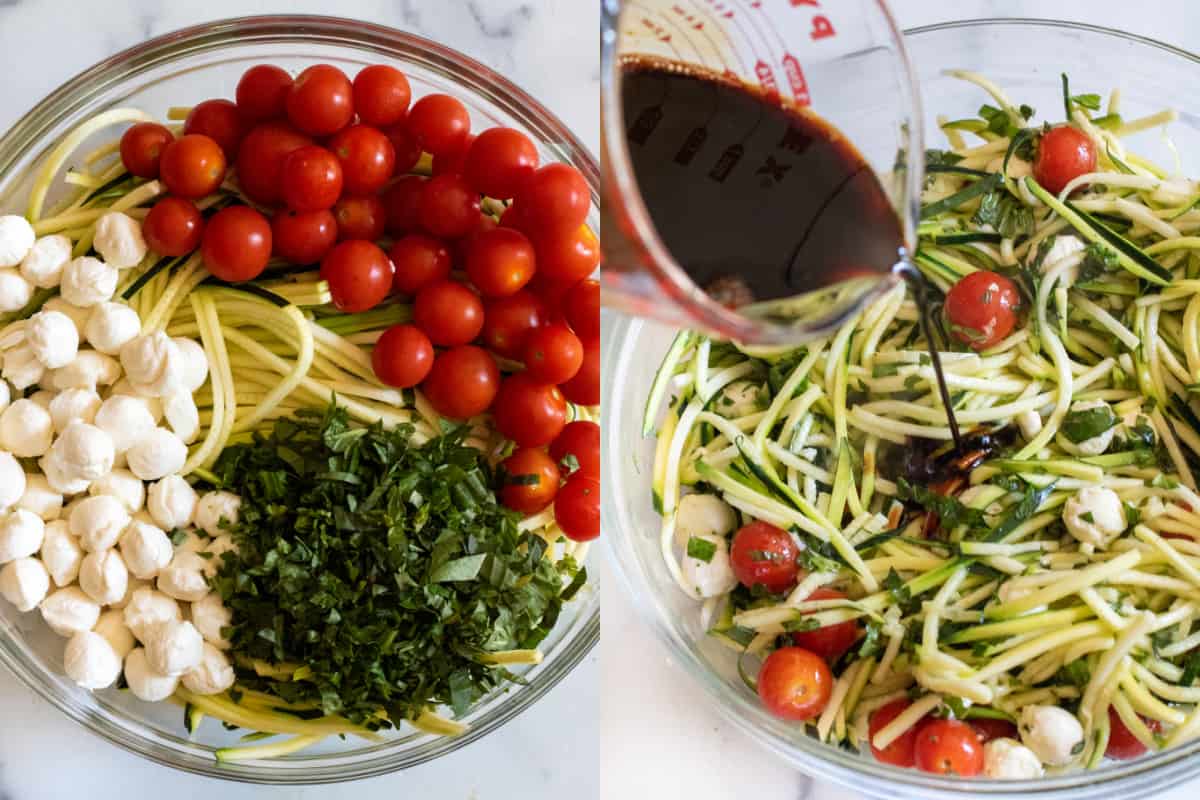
<point>73,405</point>
<point>1095,515</point>
<point>89,370</point>
<point>119,240</point>
<point>1095,445</point>
<point>125,419</point>
<point>21,367</point>
<point>111,326</point>
<point>146,549</point>
<point>1008,758</point>
<point>216,508</point>
<point>703,515</point>
<point>91,661</point>
<point>43,398</point>
<point>135,584</point>
<point>84,451</point>
<point>171,503</point>
<point>184,578</point>
<point>144,682</point>
<point>61,553</point>
<point>182,415</point>
<point>58,478</point>
<point>157,454</point>
<point>78,314</point>
<point>216,549</point>
<point>98,522</point>
<point>70,611</point>
<point>710,578</point>
<point>210,615</point>
<point>154,364</point>
<point>12,481</point>
<point>26,429</point>
<point>126,389</point>
<point>1052,733</point>
<point>24,583</point>
<point>123,485</point>
<point>21,534</point>
<point>173,647</point>
<point>43,265</point>
<point>53,338</point>
<point>15,291</point>
<point>41,499</point>
<point>213,675</point>
<point>104,576</point>
<point>195,362</point>
<point>87,281</point>
<point>5,392</point>
<point>16,239</point>
<point>112,627</point>
<point>147,608</point>
<point>193,542</point>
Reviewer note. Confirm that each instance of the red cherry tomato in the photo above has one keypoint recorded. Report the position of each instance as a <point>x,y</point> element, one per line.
<point>1122,744</point>
<point>192,166</point>
<point>440,123</point>
<point>361,217</point>
<point>529,412</point>
<point>553,293</point>
<point>262,93</point>
<point>236,244</point>
<point>220,121</point>
<point>450,313</point>
<point>359,275</point>
<point>531,480</point>
<point>402,357</point>
<point>794,684</point>
<point>508,321</point>
<point>948,747</point>
<point>311,179</point>
<point>405,146</point>
<point>511,218</point>
<point>568,256</point>
<point>173,227</point>
<point>580,439</point>
<point>452,162</point>
<point>831,641</point>
<point>420,260</point>
<point>321,101</point>
<point>260,159</point>
<point>987,729</point>
<point>982,308</point>
<point>553,354</point>
<point>499,162</point>
<point>381,95</point>
<point>142,146</point>
<point>402,204</point>
<point>577,508</point>
<point>367,156</point>
<point>463,382</point>
<point>449,207</point>
<point>582,308</point>
<point>584,388</point>
<point>900,752</point>
<point>763,553</point>
<point>500,261</point>
<point>1064,154</point>
<point>303,237</point>
<point>555,198</point>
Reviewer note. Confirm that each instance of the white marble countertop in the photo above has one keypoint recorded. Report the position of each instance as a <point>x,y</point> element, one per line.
<point>550,751</point>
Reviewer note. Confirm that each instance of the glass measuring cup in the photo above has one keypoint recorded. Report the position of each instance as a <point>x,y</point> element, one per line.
<point>842,59</point>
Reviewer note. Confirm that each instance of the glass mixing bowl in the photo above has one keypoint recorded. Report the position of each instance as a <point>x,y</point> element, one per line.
<point>1025,57</point>
<point>183,68</point>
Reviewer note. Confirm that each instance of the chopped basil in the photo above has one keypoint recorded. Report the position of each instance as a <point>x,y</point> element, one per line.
<point>1088,423</point>
<point>701,549</point>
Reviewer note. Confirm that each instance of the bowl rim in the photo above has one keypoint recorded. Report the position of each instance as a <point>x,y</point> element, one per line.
<point>1170,767</point>
<point>29,134</point>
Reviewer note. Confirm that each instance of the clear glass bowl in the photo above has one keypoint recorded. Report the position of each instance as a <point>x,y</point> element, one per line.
<point>183,68</point>
<point>1097,59</point>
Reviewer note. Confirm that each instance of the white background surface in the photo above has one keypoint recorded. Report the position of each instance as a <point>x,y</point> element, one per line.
<point>551,750</point>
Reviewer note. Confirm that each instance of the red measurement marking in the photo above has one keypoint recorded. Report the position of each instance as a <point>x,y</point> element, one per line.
<point>795,76</point>
<point>798,3</point>
<point>659,31</point>
<point>822,28</point>
<point>766,77</point>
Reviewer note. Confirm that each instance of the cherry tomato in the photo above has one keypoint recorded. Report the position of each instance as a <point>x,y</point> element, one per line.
<point>402,204</point>
<point>763,553</point>
<point>321,100</point>
<point>220,121</point>
<point>500,261</point>
<point>508,321</point>
<point>526,465</point>
<point>367,156</point>
<point>262,93</point>
<point>577,508</point>
<point>405,146</point>
<point>260,159</point>
<point>361,217</point>
<point>403,356</point>
<point>794,684</point>
<point>449,207</point>
<point>552,292</point>
<point>900,752</point>
<point>381,95</point>
<point>449,312</point>
<point>499,162</point>
<point>236,244</point>
<point>142,146</point>
<point>555,198</point>
<point>982,308</point>
<point>948,747</point>
<point>552,354</point>
<point>311,179</point>
<point>1064,154</point>
<point>420,260</point>
<point>831,641</point>
<point>440,123</point>
<point>303,237</point>
<point>529,412</point>
<point>511,218</point>
<point>568,256</point>
<point>359,275</point>
<point>580,439</point>
<point>987,729</point>
<point>582,308</point>
<point>192,166</point>
<point>173,227</point>
<point>452,162</point>
<point>1122,744</point>
<point>463,382</point>
<point>584,388</point>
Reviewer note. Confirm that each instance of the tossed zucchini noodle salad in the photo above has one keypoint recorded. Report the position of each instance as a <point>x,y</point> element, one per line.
<point>1023,605</point>
<point>235,473</point>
